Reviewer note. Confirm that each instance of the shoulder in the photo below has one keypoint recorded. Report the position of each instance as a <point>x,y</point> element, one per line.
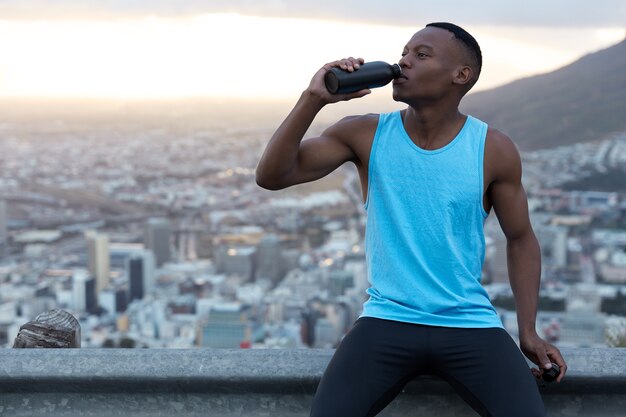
<point>502,156</point>
<point>356,133</point>
<point>351,125</point>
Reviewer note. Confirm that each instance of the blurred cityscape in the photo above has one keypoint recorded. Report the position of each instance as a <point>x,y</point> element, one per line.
<point>158,236</point>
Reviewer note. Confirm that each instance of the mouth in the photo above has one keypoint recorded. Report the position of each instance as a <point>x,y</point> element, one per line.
<point>400,80</point>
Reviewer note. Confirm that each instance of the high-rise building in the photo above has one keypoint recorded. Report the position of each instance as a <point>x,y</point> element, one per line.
<point>270,264</point>
<point>114,300</point>
<point>157,239</point>
<point>119,252</point>
<point>236,261</point>
<point>98,256</point>
<point>135,271</point>
<point>140,272</point>
<point>310,316</point>
<point>84,291</point>
<point>4,240</point>
<point>186,241</point>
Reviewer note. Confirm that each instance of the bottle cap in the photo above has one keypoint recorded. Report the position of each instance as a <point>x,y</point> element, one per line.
<point>397,71</point>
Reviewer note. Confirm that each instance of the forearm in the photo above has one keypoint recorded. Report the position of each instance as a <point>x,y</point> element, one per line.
<point>281,153</point>
<point>524,265</point>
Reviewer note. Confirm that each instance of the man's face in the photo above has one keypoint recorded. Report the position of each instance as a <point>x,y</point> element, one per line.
<point>429,62</point>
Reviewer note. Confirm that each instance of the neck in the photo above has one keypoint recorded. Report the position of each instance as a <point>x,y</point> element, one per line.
<point>430,127</point>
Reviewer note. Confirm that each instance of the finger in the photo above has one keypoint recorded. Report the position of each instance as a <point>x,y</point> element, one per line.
<point>341,63</point>
<point>346,64</point>
<point>334,64</point>
<point>349,64</point>
<point>544,361</point>
<point>350,96</point>
<point>562,368</point>
<point>356,62</point>
<point>356,94</point>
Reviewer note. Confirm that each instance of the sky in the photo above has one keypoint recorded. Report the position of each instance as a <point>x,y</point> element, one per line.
<point>270,49</point>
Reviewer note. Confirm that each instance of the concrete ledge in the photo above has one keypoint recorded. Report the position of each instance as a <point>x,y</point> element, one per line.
<point>263,382</point>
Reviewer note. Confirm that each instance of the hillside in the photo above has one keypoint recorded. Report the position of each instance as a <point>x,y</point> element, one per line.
<point>580,102</point>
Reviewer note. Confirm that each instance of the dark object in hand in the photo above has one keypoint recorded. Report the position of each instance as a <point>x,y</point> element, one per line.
<point>369,75</point>
<point>549,375</point>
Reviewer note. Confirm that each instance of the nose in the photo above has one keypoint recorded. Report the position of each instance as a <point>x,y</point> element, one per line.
<point>402,62</point>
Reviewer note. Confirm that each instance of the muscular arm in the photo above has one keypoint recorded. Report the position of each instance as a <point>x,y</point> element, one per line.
<point>511,207</point>
<point>523,253</point>
<point>287,160</point>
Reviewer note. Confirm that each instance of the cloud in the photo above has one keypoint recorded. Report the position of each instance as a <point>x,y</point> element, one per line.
<point>538,13</point>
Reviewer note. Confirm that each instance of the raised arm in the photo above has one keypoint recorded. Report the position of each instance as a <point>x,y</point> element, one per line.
<point>287,159</point>
<point>523,253</point>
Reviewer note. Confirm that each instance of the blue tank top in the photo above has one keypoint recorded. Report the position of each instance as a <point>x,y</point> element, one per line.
<point>424,240</point>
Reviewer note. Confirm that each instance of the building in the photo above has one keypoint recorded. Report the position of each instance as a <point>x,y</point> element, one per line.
<point>119,252</point>
<point>140,273</point>
<point>583,298</point>
<point>270,264</point>
<point>498,267</point>
<point>339,281</point>
<point>98,258</point>
<point>583,329</point>
<point>226,327</point>
<point>4,239</point>
<point>594,200</point>
<point>326,335</point>
<point>83,291</point>
<point>157,239</point>
<point>114,300</point>
<point>238,260</point>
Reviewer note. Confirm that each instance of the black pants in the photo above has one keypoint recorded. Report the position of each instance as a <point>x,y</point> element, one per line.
<point>377,357</point>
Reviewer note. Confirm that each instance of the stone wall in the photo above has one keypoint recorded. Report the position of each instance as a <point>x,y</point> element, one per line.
<point>255,382</point>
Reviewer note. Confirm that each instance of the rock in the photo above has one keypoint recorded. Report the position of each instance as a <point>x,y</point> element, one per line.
<point>52,329</point>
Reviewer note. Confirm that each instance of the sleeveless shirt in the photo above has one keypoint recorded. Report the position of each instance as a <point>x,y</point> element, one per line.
<point>424,239</point>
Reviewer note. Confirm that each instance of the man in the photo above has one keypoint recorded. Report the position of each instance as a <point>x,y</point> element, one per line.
<point>429,176</point>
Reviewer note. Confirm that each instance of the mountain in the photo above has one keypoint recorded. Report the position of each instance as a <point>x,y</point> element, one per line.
<point>581,102</point>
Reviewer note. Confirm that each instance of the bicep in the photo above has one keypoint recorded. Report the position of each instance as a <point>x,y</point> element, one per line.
<point>319,157</point>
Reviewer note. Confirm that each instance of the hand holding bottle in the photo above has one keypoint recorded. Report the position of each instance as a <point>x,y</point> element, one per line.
<point>371,75</point>
<point>317,87</point>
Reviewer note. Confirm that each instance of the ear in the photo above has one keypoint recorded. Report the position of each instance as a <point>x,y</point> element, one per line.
<point>463,75</point>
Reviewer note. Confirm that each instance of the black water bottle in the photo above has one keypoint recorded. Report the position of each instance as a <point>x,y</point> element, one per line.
<point>369,75</point>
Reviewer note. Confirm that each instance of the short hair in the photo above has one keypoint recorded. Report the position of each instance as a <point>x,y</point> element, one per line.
<point>467,40</point>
